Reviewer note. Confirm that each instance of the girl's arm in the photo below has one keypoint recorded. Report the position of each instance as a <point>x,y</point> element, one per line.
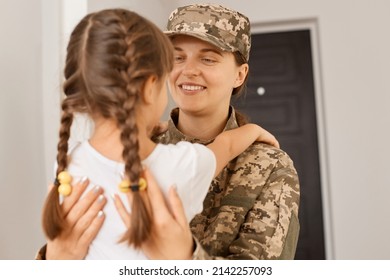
<point>229,144</point>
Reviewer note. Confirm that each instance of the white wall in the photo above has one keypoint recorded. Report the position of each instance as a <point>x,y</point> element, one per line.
<point>21,128</point>
<point>155,10</point>
<point>353,64</point>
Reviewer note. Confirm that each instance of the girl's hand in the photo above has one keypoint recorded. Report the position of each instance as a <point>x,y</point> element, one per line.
<point>268,138</point>
<point>84,219</point>
<point>171,236</point>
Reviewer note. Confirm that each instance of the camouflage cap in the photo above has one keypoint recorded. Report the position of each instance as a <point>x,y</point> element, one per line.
<point>227,29</point>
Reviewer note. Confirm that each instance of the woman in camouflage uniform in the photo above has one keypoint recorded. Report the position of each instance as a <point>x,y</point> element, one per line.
<point>251,209</point>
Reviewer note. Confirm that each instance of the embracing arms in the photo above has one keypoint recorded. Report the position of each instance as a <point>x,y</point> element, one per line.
<point>84,222</point>
<point>256,222</point>
<point>231,143</point>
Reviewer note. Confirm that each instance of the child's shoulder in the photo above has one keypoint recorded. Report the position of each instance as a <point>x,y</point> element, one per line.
<point>182,146</point>
<point>185,156</point>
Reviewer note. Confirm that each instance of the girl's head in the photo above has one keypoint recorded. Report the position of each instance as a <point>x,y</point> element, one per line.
<point>111,56</point>
<point>226,29</point>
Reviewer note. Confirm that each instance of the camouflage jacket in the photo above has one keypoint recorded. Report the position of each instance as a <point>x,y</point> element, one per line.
<point>251,209</point>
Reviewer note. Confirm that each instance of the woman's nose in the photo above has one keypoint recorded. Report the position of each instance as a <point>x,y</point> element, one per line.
<point>191,68</point>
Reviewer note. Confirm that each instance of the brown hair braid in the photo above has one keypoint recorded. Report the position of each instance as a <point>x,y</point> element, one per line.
<point>110,56</point>
<point>54,220</point>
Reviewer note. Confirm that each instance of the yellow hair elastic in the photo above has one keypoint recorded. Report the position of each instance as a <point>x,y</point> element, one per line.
<point>64,179</point>
<point>126,186</point>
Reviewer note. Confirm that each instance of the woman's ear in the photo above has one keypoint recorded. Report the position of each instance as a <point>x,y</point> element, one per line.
<point>241,74</point>
<point>147,94</point>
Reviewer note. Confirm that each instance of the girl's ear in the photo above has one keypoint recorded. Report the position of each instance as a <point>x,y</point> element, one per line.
<point>241,75</point>
<point>150,85</point>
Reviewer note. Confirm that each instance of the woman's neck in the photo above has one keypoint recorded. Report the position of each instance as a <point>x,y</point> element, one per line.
<point>106,140</point>
<point>203,127</point>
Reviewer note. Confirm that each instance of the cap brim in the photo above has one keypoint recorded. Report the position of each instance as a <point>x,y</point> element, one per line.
<point>202,36</point>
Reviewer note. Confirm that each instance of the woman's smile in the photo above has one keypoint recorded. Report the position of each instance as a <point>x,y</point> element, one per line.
<point>191,89</point>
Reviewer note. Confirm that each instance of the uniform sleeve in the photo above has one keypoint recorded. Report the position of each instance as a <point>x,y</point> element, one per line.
<point>271,226</point>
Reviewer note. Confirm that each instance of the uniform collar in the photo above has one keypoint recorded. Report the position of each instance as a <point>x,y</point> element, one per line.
<point>179,136</point>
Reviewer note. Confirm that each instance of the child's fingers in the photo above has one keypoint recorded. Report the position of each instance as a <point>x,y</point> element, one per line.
<point>90,233</point>
<point>275,143</point>
<point>81,206</point>
<point>84,222</point>
<point>120,207</point>
<point>77,191</point>
<point>269,139</point>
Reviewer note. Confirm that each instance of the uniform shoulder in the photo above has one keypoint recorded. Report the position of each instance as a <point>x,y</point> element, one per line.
<point>263,152</point>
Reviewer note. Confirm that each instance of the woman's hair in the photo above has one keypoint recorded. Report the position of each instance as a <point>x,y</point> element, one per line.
<point>240,60</point>
<point>238,91</point>
<point>110,56</point>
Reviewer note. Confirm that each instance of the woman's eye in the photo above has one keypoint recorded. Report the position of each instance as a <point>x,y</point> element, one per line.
<point>208,60</point>
<point>178,58</point>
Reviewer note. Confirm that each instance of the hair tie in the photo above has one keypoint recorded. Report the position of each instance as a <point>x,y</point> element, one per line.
<point>63,181</point>
<point>134,188</point>
<point>56,182</point>
<point>126,186</point>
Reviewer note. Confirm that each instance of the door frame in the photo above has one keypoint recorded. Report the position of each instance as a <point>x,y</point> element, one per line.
<point>58,20</point>
<point>312,25</point>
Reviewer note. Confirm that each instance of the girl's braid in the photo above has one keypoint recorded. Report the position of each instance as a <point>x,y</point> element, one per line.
<point>133,79</point>
<point>53,218</point>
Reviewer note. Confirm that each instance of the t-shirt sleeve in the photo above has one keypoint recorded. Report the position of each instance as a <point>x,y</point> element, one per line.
<point>204,174</point>
<point>198,169</point>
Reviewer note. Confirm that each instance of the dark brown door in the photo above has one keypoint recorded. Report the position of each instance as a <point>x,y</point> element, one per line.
<point>280,97</point>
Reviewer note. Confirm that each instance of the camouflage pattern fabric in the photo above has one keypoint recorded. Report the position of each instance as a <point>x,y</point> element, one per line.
<point>227,29</point>
<point>251,209</point>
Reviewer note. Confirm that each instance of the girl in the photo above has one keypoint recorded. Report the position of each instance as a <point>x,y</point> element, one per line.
<point>116,70</point>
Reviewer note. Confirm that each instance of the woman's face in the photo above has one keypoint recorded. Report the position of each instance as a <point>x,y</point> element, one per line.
<point>203,76</point>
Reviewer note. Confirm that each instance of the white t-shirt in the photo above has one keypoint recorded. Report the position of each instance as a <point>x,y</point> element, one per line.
<point>190,167</point>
